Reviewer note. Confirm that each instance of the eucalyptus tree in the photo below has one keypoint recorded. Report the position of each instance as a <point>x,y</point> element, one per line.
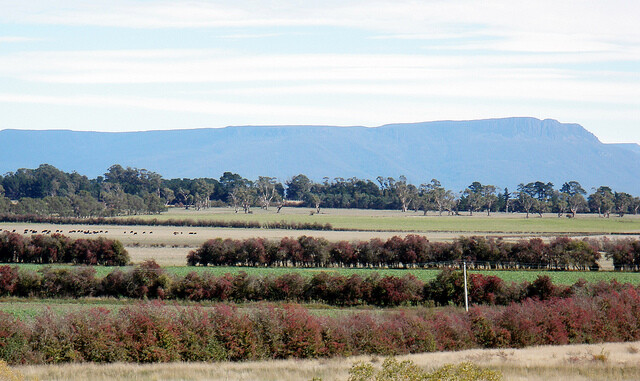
<point>489,198</point>
<point>436,195</point>
<point>623,202</point>
<point>526,201</point>
<point>298,186</point>
<point>473,197</point>
<point>405,192</point>
<point>602,200</point>
<point>266,191</point>
<point>575,196</point>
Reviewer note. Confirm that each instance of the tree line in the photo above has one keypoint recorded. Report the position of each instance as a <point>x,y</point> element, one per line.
<point>562,253</point>
<point>150,281</point>
<point>47,190</point>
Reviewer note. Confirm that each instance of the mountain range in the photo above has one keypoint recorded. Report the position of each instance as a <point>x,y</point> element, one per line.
<point>503,152</point>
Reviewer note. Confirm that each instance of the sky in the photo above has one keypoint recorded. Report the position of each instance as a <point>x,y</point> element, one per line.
<point>115,65</point>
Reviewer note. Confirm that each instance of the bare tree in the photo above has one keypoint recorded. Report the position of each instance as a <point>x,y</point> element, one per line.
<point>266,189</point>
<point>235,196</point>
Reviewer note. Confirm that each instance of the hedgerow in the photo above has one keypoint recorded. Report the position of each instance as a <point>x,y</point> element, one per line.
<point>57,248</point>
<point>156,332</point>
<point>413,250</point>
<point>150,281</point>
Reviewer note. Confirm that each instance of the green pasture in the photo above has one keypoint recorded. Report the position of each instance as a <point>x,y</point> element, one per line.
<point>349,219</point>
<point>28,308</point>
<point>558,277</point>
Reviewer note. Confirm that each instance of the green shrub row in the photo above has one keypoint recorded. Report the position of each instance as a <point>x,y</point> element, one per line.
<point>149,280</point>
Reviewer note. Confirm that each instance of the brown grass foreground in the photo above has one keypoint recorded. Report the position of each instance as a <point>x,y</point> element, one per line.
<point>609,361</point>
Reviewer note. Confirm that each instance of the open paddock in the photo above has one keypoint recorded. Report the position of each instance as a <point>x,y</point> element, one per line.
<point>394,220</point>
<point>28,308</point>
<point>187,236</point>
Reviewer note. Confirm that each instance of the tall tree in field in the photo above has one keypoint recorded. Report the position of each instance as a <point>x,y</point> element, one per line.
<point>473,197</point>
<point>507,199</point>
<point>540,190</point>
<point>405,192</point>
<point>266,190</point>
<point>489,198</point>
<point>230,181</point>
<point>602,200</point>
<point>559,203</point>
<point>298,186</point>
<point>201,191</point>
<point>526,201</point>
<point>635,205</point>
<point>575,196</point>
<point>246,197</point>
<point>438,196</point>
<point>622,202</point>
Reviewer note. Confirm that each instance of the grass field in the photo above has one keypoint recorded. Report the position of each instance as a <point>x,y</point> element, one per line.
<point>559,277</point>
<point>387,220</point>
<point>28,308</point>
<point>608,361</point>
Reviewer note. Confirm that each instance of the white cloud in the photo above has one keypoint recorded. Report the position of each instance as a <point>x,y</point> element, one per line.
<point>611,21</point>
<point>242,36</point>
<point>15,39</point>
<point>202,66</point>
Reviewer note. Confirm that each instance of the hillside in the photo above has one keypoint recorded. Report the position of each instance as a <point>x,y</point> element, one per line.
<point>503,152</point>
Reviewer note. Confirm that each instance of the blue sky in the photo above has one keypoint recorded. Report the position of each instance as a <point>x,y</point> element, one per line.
<point>139,65</point>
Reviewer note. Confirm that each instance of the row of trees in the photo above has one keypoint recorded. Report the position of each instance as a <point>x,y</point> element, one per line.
<point>561,253</point>
<point>149,281</point>
<point>129,191</point>
<point>57,248</point>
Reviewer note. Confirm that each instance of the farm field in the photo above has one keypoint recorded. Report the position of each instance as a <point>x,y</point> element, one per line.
<point>28,308</point>
<point>558,277</point>
<point>169,246</point>
<point>181,237</point>
<point>391,220</point>
<point>607,361</point>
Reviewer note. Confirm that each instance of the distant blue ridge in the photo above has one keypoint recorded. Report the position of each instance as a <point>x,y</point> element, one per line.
<point>503,152</point>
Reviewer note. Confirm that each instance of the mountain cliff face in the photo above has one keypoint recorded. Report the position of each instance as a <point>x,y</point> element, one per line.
<point>503,152</point>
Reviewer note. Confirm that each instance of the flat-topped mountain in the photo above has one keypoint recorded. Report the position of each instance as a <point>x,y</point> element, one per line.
<point>503,152</point>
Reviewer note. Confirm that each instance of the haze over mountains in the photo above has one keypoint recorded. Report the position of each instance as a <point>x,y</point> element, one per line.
<point>503,152</point>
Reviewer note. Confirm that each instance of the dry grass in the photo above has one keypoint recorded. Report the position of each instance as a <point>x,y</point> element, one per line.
<point>164,256</point>
<point>171,236</point>
<point>612,361</point>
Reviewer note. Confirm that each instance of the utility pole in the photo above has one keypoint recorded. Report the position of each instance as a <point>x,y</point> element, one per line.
<point>466,294</point>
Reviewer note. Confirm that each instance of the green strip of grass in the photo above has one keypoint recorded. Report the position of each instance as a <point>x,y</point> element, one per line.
<point>27,309</point>
<point>558,277</point>
<point>416,222</point>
